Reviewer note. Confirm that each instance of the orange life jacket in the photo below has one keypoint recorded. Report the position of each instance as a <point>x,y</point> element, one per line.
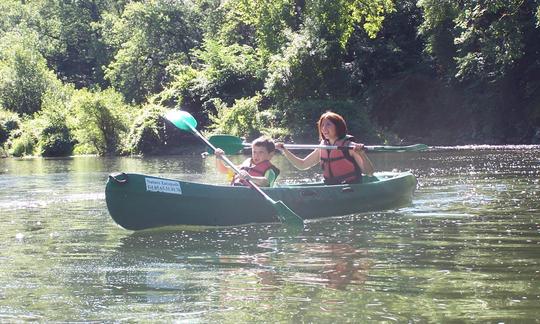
<point>257,170</point>
<point>338,165</point>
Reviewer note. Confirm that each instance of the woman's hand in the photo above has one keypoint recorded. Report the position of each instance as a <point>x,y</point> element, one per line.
<point>362,159</point>
<point>359,148</point>
<point>280,146</point>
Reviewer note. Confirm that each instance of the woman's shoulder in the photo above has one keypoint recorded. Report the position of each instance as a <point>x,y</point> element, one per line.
<point>349,138</point>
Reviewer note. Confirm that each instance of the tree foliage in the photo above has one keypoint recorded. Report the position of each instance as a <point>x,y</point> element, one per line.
<point>148,36</point>
<point>228,72</point>
<point>24,79</point>
<point>81,51</point>
<point>485,38</point>
<point>55,138</point>
<point>243,118</point>
<point>9,122</point>
<point>258,23</point>
<point>94,76</point>
<point>99,121</point>
<point>151,133</point>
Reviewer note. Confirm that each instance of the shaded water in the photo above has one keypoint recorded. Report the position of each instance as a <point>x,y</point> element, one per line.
<point>467,249</point>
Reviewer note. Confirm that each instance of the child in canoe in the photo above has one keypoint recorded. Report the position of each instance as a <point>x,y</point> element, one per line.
<point>258,169</point>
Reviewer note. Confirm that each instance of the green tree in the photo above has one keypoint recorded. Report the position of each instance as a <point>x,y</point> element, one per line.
<point>54,136</point>
<point>490,38</point>
<point>148,37</point>
<point>482,39</point>
<point>438,31</point>
<point>9,122</point>
<point>219,71</point>
<point>24,78</point>
<point>306,70</point>
<point>397,49</point>
<point>81,52</point>
<point>27,22</point>
<point>258,23</point>
<point>311,65</point>
<point>489,50</point>
<point>147,133</point>
<point>241,119</point>
<point>66,33</point>
<point>335,21</point>
<point>22,141</point>
<point>99,120</point>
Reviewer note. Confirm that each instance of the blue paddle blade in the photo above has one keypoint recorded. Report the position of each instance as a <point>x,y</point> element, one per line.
<point>182,119</point>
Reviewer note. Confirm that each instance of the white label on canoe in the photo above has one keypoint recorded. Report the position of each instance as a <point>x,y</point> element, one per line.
<point>161,185</point>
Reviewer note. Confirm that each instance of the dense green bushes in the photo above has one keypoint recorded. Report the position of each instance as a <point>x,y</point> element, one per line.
<point>55,141</point>
<point>99,120</point>
<point>225,72</point>
<point>241,119</point>
<point>8,123</point>
<point>23,140</point>
<point>80,77</point>
<point>70,122</point>
<point>151,133</point>
<point>146,38</point>
<point>24,80</point>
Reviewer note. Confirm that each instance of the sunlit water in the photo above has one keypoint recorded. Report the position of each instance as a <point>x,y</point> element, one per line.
<point>467,249</point>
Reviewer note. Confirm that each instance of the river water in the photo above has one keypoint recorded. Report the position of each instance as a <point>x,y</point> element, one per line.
<point>467,248</point>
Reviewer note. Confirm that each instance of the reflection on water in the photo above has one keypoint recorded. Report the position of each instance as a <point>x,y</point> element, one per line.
<point>228,272</point>
<point>466,250</point>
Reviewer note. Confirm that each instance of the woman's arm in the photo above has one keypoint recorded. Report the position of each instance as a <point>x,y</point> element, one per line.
<point>362,159</point>
<point>310,160</point>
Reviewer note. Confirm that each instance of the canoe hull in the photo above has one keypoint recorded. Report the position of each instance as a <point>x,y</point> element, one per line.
<point>137,201</point>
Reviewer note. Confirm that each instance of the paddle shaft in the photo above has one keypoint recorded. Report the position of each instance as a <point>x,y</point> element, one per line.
<point>334,147</point>
<point>312,147</point>
<point>232,145</point>
<point>230,164</point>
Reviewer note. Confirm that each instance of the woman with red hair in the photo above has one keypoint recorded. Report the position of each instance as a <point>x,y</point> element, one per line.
<point>341,165</point>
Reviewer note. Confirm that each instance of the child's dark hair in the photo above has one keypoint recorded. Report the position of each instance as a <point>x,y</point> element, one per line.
<point>266,142</point>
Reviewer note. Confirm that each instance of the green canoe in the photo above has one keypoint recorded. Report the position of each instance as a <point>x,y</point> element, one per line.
<point>138,201</point>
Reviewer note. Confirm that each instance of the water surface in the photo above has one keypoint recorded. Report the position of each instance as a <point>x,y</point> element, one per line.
<point>466,249</point>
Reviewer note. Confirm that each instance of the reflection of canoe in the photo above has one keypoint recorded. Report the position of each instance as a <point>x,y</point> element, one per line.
<point>137,201</point>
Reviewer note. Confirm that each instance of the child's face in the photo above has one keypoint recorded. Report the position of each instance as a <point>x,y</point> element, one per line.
<point>260,154</point>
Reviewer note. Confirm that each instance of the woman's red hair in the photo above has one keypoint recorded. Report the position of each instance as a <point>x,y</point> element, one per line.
<point>337,120</point>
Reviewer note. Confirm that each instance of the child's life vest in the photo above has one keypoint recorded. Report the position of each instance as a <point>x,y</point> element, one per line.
<point>338,165</point>
<point>255,170</point>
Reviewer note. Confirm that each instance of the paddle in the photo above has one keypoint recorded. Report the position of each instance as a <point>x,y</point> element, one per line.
<point>233,144</point>
<point>184,121</point>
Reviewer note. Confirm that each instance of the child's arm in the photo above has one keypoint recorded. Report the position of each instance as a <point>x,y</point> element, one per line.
<point>259,181</point>
<point>220,166</point>
<point>265,181</point>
